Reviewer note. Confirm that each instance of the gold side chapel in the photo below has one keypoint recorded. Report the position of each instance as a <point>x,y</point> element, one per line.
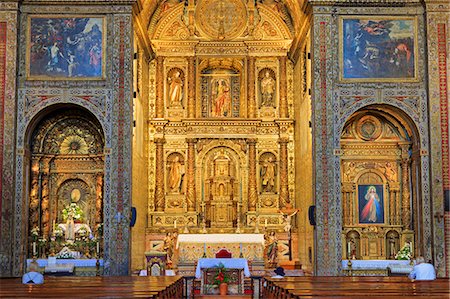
<point>221,126</point>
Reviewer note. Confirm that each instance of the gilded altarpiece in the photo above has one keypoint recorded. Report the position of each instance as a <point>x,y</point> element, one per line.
<point>220,160</point>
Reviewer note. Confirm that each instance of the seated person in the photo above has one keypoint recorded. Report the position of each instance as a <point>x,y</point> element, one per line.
<point>33,276</point>
<point>422,270</point>
<point>279,271</point>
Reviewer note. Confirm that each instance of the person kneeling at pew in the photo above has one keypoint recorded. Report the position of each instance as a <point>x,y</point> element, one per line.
<point>33,276</point>
<point>279,271</point>
<point>422,270</point>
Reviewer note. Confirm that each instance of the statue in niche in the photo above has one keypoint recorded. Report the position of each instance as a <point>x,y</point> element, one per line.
<point>389,171</point>
<point>221,98</point>
<point>271,241</point>
<point>176,174</point>
<point>175,81</point>
<point>268,174</point>
<point>267,89</point>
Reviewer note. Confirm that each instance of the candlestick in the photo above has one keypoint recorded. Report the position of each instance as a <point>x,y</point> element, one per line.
<point>204,250</point>
<point>175,223</point>
<point>34,248</point>
<point>348,249</point>
<point>98,247</point>
<point>53,225</point>
<point>265,222</point>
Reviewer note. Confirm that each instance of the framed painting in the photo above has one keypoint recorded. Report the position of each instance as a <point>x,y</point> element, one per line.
<point>66,48</point>
<point>371,204</point>
<point>378,48</point>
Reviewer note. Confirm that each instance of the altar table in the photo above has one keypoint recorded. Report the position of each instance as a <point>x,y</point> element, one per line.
<point>230,263</point>
<point>81,267</point>
<point>376,267</point>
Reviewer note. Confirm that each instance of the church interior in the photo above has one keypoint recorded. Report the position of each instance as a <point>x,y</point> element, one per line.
<point>146,136</point>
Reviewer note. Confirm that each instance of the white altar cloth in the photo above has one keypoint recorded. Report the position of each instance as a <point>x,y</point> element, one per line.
<point>220,238</point>
<point>76,262</point>
<point>78,226</point>
<point>374,264</point>
<point>231,263</point>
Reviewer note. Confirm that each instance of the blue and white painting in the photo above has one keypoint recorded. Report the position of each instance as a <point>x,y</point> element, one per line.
<point>371,204</point>
<point>377,48</point>
<point>69,47</point>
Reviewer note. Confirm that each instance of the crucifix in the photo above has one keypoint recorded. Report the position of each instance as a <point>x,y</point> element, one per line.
<point>287,214</point>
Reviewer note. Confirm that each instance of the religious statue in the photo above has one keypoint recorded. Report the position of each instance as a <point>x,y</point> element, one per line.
<point>268,175</point>
<point>175,89</point>
<point>267,89</point>
<point>169,245</point>
<point>271,248</point>
<point>176,175</point>
<point>70,228</point>
<point>222,100</point>
<point>389,171</point>
<point>287,220</point>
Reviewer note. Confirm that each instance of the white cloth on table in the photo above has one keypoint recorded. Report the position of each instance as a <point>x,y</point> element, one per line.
<point>423,271</point>
<point>220,238</point>
<point>373,264</point>
<point>230,263</point>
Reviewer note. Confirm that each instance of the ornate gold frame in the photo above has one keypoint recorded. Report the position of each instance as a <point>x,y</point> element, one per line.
<point>377,17</point>
<point>44,77</point>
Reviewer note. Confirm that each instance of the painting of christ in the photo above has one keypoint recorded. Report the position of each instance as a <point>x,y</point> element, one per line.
<point>371,205</point>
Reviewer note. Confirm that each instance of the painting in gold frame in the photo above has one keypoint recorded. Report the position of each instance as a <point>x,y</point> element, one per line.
<point>371,204</point>
<point>69,47</point>
<point>378,48</point>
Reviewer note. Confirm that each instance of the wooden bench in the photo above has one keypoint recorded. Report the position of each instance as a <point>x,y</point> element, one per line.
<point>161,287</point>
<point>353,287</point>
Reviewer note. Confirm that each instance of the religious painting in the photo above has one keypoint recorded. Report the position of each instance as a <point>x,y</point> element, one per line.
<point>66,48</point>
<point>378,48</point>
<point>220,90</point>
<point>370,204</point>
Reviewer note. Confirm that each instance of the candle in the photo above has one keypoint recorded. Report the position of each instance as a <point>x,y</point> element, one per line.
<point>240,246</point>
<point>265,223</point>
<point>34,248</point>
<point>348,248</point>
<point>175,223</point>
<point>98,247</point>
<point>54,226</point>
<point>204,248</point>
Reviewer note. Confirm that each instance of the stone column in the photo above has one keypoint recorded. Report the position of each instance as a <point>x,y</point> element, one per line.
<point>99,198</point>
<point>159,87</point>
<point>160,186</point>
<point>284,186</point>
<point>283,88</point>
<point>191,87</point>
<point>34,194</point>
<point>252,190</point>
<point>406,207</point>
<point>251,88</point>
<point>190,193</point>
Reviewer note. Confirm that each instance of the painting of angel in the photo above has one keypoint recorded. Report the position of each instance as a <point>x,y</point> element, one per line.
<point>65,47</point>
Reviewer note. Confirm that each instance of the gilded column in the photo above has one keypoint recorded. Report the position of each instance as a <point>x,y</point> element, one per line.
<point>98,198</point>
<point>283,88</point>
<point>45,201</point>
<point>347,189</point>
<point>190,196</point>
<point>34,194</point>
<point>393,194</point>
<point>159,188</point>
<point>191,87</point>
<point>406,207</point>
<point>251,88</point>
<point>284,186</point>
<point>159,87</point>
<point>252,191</point>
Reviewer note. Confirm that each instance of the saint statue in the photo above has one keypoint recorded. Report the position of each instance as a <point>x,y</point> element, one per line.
<point>222,101</point>
<point>268,175</point>
<point>70,228</point>
<point>267,90</point>
<point>175,89</point>
<point>272,248</point>
<point>175,175</point>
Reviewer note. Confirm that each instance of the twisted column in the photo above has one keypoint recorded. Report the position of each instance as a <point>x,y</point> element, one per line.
<point>99,198</point>
<point>283,88</point>
<point>406,208</point>
<point>190,193</point>
<point>191,87</point>
<point>159,188</point>
<point>45,203</point>
<point>347,191</point>
<point>252,190</point>
<point>159,87</point>
<point>284,186</point>
<point>251,88</point>
<point>34,194</point>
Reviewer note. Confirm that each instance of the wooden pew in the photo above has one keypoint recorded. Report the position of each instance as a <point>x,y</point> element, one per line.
<point>163,287</point>
<point>353,287</point>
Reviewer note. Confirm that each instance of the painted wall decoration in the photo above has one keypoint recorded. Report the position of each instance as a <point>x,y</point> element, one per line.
<point>65,47</point>
<point>220,93</point>
<point>378,48</point>
<point>370,204</point>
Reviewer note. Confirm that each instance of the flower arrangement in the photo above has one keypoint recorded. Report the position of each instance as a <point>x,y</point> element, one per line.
<point>72,210</point>
<point>404,253</point>
<point>35,233</point>
<point>221,276</point>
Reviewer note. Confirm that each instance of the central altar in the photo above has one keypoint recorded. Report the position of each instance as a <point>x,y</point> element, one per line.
<point>191,247</point>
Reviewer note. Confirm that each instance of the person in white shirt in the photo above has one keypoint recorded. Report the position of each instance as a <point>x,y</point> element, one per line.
<point>422,270</point>
<point>33,276</point>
